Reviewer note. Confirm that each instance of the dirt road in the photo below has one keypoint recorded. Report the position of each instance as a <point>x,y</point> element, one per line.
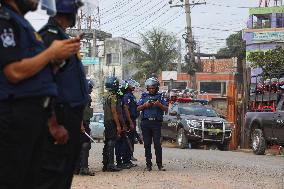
<point>189,169</point>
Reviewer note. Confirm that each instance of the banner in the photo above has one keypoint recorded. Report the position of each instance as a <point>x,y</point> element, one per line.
<point>90,60</point>
<point>268,36</point>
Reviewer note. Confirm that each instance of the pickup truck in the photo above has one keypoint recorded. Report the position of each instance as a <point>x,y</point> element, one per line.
<point>266,126</point>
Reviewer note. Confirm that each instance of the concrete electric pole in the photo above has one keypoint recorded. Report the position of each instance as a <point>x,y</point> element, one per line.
<point>190,58</point>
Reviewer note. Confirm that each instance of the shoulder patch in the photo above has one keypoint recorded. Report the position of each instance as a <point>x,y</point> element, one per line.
<point>8,38</point>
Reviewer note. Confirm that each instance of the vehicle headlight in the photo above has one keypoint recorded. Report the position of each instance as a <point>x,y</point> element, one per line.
<point>193,123</point>
<point>228,126</point>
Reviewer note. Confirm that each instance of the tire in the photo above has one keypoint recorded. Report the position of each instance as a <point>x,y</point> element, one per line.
<point>258,142</point>
<point>181,140</point>
<point>224,146</point>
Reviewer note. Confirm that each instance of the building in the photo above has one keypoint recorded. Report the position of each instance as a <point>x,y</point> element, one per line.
<point>115,61</point>
<point>265,29</point>
<point>214,83</point>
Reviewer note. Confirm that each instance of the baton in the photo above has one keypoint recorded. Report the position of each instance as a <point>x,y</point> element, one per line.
<point>129,143</point>
<point>89,137</point>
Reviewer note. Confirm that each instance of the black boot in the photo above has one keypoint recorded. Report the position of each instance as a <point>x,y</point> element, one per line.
<point>161,168</point>
<point>113,168</point>
<point>148,168</point>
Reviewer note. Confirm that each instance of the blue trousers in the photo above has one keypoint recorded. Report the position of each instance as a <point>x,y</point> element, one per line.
<point>122,151</point>
<point>151,130</point>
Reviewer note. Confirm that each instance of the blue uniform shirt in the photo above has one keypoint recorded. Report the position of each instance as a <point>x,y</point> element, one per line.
<point>71,80</point>
<point>154,111</point>
<point>18,40</point>
<point>130,100</point>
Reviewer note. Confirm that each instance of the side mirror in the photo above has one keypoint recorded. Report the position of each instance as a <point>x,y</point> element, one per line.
<point>174,113</point>
<point>222,116</point>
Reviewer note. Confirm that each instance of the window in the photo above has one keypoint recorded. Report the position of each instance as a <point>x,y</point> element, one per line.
<point>176,85</point>
<point>213,87</point>
<point>112,58</point>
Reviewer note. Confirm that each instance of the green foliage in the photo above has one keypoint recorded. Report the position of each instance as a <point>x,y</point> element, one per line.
<point>236,47</point>
<point>271,61</point>
<point>157,54</point>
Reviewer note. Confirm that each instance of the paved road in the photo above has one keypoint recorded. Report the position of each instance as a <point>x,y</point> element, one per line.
<point>189,169</point>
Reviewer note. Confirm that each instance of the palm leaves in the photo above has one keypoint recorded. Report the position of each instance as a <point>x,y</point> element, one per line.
<point>157,54</point>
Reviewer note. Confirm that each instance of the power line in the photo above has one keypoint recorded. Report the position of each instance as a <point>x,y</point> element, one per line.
<point>148,10</point>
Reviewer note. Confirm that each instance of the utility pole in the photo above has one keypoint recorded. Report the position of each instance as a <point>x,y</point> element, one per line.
<point>190,58</point>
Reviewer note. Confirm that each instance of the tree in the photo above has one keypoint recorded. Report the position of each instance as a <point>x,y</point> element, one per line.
<point>236,47</point>
<point>157,54</point>
<point>270,61</point>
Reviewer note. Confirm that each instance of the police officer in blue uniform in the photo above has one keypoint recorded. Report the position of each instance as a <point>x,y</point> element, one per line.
<point>26,83</point>
<point>130,112</point>
<point>111,122</point>
<point>152,105</point>
<point>60,160</point>
<point>82,165</point>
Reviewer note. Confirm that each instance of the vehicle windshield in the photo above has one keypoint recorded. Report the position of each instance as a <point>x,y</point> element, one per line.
<point>198,111</point>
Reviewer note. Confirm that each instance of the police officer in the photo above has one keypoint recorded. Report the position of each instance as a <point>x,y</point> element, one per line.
<point>122,149</point>
<point>26,87</point>
<point>60,159</point>
<point>130,112</point>
<point>152,105</point>
<point>82,166</point>
<point>111,122</point>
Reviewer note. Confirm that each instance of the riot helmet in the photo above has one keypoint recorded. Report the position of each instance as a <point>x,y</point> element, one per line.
<point>69,7</point>
<point>154,82</point>
<point>122,88</point>
<point>132,84</point>
<point>31,5</point>
<point>111,83</point>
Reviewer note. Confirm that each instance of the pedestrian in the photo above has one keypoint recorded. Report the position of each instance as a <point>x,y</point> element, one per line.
<point>153,106</point>
<point>82,165</point>
<point>26,83</point>
<point>111,123</point>
<point>130,112</point>
<point>60,158</point>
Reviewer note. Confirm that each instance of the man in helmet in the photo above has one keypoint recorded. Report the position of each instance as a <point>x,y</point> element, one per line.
<point>130,112</point>
<point>111,122</point>
<point>60,156</point>
<point>27,84</point>
<point>82,165</point>
<point>152,105</point>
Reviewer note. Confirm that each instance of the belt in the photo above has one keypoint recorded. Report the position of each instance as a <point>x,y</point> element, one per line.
<point>151,119</point>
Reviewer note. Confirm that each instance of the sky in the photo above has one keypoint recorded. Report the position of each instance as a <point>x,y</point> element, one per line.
<point>212,23</point>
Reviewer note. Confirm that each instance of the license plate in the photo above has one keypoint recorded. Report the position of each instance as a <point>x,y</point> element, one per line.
<point>213,131</point>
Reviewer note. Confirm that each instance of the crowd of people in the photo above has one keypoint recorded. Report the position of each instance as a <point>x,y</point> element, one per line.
<point>45,103</point>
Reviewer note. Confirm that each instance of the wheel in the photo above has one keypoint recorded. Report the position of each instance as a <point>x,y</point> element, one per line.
<point>224,146</point>
<point>258,142</point>
<point>181,140</point>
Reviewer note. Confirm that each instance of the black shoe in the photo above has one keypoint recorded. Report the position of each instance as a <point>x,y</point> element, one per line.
<point>113,168</point>
<point>87,172</point>
<point>76,172</point>
<point>132,164</point>
<point>104,169</point>
<point>133,158</point>
<point>124,166</point>
<point>161,168</point>
<point>148,168</point>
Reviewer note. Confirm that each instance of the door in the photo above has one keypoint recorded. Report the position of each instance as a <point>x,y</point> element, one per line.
<point>278,128</point>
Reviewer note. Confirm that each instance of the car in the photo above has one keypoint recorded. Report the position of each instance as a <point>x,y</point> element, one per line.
<point>97,126</point>
<point>195,124</point>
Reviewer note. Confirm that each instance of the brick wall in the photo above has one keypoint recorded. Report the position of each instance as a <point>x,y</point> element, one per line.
<point>218,65</point>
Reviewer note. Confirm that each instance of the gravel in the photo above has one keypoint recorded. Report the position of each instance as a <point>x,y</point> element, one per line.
<point>188,169</point>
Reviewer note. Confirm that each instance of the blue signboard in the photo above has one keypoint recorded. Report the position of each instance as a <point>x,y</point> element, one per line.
<point>90,60</point>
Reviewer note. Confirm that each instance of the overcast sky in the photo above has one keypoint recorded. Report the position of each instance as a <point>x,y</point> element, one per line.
<point>212,22</point>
